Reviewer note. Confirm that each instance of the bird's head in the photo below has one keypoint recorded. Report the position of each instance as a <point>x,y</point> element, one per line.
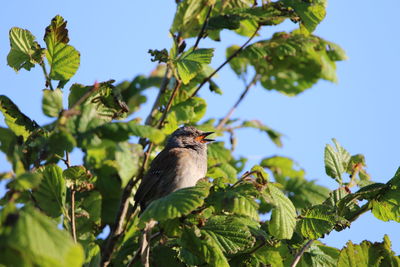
<point>189,137</point>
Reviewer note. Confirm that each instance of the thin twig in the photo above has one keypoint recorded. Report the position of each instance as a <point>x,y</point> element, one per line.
<point>301,252</point>
<point>71,111</point>
<point>73,224</point>
<point>207,79</point>
<point>73,227</point>
<point>203,28</point>
<point>46,76</point>
<point>169,104</point>
<point>162,90</point>
<point>242,96</point>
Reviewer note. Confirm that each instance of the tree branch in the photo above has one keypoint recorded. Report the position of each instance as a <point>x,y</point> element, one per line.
<point>207,79</point>
<point>203,28</point>
<point>301,252</point>
<point>242,96</point>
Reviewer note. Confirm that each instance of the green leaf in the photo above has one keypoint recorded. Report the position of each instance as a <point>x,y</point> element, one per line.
<point>20,124</point>
<point>283,218</point>
<point>290,62</point>
<point>336,161</point>
<point>365,254</point>
<point>25,181</point>
<point>283,166</point>
<point>320,255</point>
<point>204,246</point>
<point>311,12</point>
<point>176,204</point>
<point>240,200</point>
<point>50,194</point>
<point>52,102</point>
<point>25,51</point>
<point>272,134</point>
<point>231,235</point>
<point>192,62</point>
<point>63,59</point>
<point>189,111</point>
<point>387,207</point>
<point>316,221</point>
<point>35,240</point>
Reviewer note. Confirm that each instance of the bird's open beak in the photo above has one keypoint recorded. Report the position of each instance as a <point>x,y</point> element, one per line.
<point>202,138</point>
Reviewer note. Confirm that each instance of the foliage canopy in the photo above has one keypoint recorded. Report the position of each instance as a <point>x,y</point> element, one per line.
<point>52,213</point>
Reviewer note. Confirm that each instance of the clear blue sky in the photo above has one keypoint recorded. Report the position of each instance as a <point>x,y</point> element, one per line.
<point>361,111</point>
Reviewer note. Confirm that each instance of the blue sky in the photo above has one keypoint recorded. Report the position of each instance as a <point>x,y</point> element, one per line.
<point>361,111</point>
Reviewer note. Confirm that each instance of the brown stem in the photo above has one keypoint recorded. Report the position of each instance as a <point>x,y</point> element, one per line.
<point>162,90</point>
<point>46,76</point>
<point>242,96</point>
<point>301,252</point>
<point>207,79</point>
<point>169,104</point>
<point>203,28</point>
<point>73,226</point>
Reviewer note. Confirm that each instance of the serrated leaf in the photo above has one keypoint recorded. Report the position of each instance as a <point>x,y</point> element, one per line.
<point>189,111</point>
<point>275,136</point>
<point>240,200</point>
<point>25,181</point>
<point>320,255</point>
<point>316,222</point>
<point>191,63</point>
<point>52,102</point>
<point>283,218</point>
<point>51,192</point>
<point>203,246</point>
<point>311,12</point>
<point>336,161</point>
<point>231,235</point>
<point>387,207</point>
<point>20,124</point>
<point>25,51</point>
<point>176,204</point>
<point>283,166</point>
<point>63,59</point>
<point>36,241</point>
<point>365,254</point>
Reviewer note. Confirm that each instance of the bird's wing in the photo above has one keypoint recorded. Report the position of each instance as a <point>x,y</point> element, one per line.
<point>156,183</point>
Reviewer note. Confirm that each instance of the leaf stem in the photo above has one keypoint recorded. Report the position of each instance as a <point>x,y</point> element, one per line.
<point>225,62</point>
<point>234,107</point>
<point>301,252</point>
<point>203,28</point>
<point>73,226</point>
<point>46,76</point>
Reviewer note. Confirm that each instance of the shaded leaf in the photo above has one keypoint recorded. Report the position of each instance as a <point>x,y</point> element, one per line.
<point>176,204</point>
<point>316,221</point>
<point>52,102</point>
<point>50,194</point>
<point>320,255</point>
<point>35,240</point>
<point>283,218</point>
<point>20,124</point>
<point>25,181</point>
<point>201,244</point>
<point>387,207</point>
<point>231,235</point>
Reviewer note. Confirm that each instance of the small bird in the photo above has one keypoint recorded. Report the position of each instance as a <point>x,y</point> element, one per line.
<point>180,164</point>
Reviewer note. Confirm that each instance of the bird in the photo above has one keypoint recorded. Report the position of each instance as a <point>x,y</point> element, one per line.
<point>181,163</point>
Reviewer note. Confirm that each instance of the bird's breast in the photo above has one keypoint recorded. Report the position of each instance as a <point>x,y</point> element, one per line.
<point>191,169</point>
